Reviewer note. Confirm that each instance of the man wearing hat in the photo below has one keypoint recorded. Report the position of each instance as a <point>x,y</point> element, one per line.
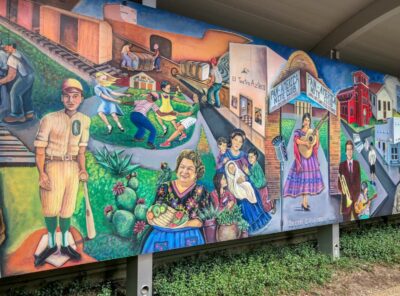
<point>21,72</point>
<point>60,158</point>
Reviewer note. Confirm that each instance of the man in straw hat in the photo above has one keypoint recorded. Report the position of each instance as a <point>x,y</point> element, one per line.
<point>60,158</point>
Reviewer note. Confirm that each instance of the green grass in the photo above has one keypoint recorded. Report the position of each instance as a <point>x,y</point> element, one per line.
<point>22,207</point>
<point>271,270</point>
<point>98,129</point>
<point>287,126</point>
<point>323,137</point>
<point>258,270</point>
<point>376,244</point>
<point>357,128</point>
<point>49,75</point>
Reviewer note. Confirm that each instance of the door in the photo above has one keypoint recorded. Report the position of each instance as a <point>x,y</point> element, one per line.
<point>69,32</point>
<point>164,45</point>
<point>243,106</point>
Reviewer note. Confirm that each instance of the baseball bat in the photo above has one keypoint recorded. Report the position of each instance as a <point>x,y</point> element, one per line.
<point>91,230</point>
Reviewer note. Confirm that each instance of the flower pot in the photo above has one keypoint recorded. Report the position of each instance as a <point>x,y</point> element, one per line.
<point>210,230</point>
<point>227,232</point>
<point>244,234</point>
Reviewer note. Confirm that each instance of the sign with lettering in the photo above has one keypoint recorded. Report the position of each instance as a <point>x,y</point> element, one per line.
<point>284,92</point>
<point>316,91</point>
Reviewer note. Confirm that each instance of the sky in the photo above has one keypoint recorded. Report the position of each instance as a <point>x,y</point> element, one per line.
<point>336,75</point>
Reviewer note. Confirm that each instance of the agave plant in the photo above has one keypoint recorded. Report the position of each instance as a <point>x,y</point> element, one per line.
<point>114,162</point>
<point>209,213</point>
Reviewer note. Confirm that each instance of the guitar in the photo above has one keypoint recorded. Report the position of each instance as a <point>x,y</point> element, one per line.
<point>310,137</point>
<point>359,206</point>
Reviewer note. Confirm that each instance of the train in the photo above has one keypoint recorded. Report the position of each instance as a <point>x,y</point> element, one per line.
<point>100,41</point>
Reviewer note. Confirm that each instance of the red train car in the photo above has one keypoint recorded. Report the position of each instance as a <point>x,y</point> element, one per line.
<point>89,37</point>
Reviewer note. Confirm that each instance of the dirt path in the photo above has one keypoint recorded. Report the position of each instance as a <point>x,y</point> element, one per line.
<point>378,280</point>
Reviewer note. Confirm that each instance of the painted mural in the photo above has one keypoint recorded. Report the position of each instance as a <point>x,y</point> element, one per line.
<point>128,130</point>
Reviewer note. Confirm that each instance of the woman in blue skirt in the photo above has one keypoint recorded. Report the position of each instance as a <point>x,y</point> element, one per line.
<point>250,202</point>
<point>184,196</point>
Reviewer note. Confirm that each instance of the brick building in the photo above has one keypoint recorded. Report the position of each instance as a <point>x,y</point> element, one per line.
<point>300,79</point>
<point>355,105</point>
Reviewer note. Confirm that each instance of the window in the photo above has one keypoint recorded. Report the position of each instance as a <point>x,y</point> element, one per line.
<point>379,145</point>
<point>351,111</point>
<point>394,153</point>
<point>379,105</point>
<point>388,106</point>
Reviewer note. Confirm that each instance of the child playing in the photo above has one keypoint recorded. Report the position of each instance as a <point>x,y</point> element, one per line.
<point>166,106</point>
<point>222,144</point>
<point>140,120</point>
<point>108,105</point>
<point>256,175</point>
<point>221,197</point>
<point>241,189</point>
<point>182,126</point>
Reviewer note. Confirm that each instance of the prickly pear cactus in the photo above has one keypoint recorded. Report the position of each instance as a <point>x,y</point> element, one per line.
<point>125,197</point>
<point>141,210</point>
<point>123,223</point>
<point>133,181</point>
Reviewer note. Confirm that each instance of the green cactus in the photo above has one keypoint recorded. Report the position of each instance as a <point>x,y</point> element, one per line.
<point>141,210</point>
<point>133,181</point>
<point>125,197</point>
<point>123,222</point>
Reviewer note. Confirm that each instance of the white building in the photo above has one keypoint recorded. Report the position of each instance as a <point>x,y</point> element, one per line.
<point>253,69</point>
<point>387,141</point>
<point>382,103</point>
<point>142,81</point>
<point>392,85</point>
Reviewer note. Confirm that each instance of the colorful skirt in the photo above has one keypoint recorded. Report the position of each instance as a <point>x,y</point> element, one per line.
<point>308,181</point>
<point>162,239</point>
<point>254,214</point>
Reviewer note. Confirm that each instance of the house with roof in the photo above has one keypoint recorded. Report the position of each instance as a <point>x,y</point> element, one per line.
<point>355,105</point>
<point>387,141</point>
<point>142,81</point>
<point>381,101</point>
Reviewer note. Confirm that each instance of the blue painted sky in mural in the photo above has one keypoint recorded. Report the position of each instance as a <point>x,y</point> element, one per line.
<point>336,75</point>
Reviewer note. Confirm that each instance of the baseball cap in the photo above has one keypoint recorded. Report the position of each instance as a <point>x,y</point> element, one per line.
<point>72,83</point>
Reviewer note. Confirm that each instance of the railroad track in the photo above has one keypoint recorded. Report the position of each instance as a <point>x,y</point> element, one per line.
<point>65,54</point>
<point>12,151</point>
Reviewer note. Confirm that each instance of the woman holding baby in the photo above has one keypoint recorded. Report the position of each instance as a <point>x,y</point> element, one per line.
<point>248,198</point>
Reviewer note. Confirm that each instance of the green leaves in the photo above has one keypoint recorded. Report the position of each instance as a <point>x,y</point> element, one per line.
<point>208,213</point>
<point>117,165</point>
<point>228,217</point>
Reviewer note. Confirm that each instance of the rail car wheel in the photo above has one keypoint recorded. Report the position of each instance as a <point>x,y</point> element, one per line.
<point>174,72</point>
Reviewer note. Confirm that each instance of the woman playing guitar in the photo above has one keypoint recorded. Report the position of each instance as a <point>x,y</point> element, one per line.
<point>305,177</point>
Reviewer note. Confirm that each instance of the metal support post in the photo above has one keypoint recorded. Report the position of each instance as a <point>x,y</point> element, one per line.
<point>328,240</point>
<point>139,275</point>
